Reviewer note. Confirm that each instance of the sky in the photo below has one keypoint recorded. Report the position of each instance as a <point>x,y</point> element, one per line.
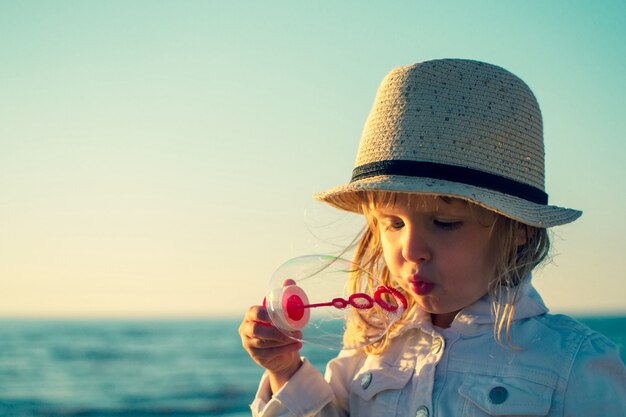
<point>158,158</point>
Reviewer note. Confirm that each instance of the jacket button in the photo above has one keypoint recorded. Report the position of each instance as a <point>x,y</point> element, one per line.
<point>437,345</point>
<point>498,395</point>
<point>422,411</point>
<point>366,380</point>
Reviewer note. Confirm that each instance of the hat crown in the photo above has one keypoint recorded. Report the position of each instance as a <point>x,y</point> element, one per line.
<point>457,112</point>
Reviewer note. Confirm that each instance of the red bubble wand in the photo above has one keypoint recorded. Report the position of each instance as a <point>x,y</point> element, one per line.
<point>295,303</point>
<point>298,298</point>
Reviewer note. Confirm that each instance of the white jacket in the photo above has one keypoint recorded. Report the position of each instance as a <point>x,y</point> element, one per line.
<point>563,369</point>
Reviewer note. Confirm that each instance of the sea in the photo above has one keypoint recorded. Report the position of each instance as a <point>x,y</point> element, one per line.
<point>145,368</point>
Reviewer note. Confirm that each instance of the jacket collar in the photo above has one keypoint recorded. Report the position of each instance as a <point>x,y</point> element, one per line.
<point>474,318</point>
<point>479,318</point>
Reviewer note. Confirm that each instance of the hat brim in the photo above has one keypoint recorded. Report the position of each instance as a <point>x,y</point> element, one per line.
<point>345,197</point>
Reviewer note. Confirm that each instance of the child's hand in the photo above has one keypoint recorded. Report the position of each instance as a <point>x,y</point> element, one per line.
<point>269,347</point>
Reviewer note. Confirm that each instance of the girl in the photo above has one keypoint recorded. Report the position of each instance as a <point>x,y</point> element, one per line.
<point>450,178</point>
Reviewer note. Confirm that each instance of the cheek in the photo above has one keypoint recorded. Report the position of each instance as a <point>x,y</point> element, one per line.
<point>484,264</point>
<point>473,256</point>
<point>387,255</point>
<point>391,253</point>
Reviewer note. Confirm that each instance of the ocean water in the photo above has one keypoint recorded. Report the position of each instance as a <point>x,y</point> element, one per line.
<point>120,368</point>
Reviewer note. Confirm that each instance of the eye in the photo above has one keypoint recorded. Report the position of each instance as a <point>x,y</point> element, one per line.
<point>395,224</point>
<point>447,224</point>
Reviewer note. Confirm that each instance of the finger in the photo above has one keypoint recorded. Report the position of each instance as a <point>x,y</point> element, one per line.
<point>258,313</point>
<point>276,358</point>
<point>262,331</point>
<point>264,319</point>
<point>272,338</point>
<point>252,341</point>
<point>266,353</point>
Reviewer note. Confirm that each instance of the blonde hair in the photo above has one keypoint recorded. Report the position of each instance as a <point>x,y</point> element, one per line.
<point>512,265</point>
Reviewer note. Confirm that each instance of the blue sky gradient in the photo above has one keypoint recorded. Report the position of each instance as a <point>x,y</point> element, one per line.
<point>157,158</point>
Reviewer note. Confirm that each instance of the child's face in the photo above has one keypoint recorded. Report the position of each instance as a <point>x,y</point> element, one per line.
<point>438,251</point>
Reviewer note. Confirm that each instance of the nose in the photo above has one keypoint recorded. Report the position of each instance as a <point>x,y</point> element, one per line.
<point>415,246</point>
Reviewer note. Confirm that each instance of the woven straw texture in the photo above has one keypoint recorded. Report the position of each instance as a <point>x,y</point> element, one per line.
<point>456,112</point>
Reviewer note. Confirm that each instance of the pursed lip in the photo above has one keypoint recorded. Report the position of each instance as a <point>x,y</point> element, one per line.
<point>418,278</point>
<point>420,285</point>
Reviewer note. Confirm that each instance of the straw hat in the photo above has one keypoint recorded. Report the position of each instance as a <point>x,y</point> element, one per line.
<point>459,128</point>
